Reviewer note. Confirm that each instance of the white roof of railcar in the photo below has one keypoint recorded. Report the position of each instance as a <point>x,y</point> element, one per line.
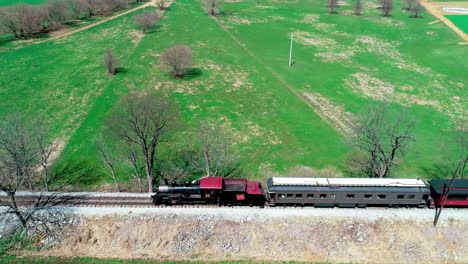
<point>387,182</point>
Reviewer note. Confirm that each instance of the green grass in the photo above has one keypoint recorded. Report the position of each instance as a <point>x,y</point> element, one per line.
<point>280,120</point>
<point>461,21</point>
<point>14,2</point>
<point>245,81</point>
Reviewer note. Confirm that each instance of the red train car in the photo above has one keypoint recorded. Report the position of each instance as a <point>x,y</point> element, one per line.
<point>212,190</point>
<point>457,196</point>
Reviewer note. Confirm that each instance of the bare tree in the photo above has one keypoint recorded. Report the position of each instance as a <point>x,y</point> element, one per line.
<point>387,6</point>
<point>29,20</point>
<point>416,9</point>
<point>54,14</point>
<point>111,62</point>
<point>177,60</point>
<point>457,161</point>
<point>332,6</point>
<point>358,8</point>
<point>161,4</point>
<point>383,140</point>
<point>146,20</point>
<point>178,165</point>
<point>141,123</point>
<point>19,160</point>
<point>213,7</point>
<point>109,162</point>
<point>78,7</point>
<point>46,149</point>
<point>18,155</point>
<point>137,170</point>
<point>9,21</point>
<point>215,156</point>
<point>407,4</point>
<point>91,7</point>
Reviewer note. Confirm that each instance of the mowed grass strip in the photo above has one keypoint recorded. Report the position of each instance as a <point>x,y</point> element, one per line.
<point>348,63</point>
<point>272,127</point>
<point>461,21</point>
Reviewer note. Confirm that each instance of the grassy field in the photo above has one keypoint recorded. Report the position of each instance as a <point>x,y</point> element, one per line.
<point>13,2</point>
<point>281,117</point>
<point>461,21</point>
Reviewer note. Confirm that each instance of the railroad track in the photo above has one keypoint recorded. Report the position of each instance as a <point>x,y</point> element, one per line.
<point>123,200</point>
<point>81,199</point>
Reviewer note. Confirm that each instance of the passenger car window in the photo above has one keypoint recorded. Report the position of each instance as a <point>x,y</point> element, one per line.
<point>310,195</point>
<point>381,196</point>
<point>411,196</point>
<point>350,196</point>
<point>400,196</point>
<point>367,196</point>
<point>323,195</point>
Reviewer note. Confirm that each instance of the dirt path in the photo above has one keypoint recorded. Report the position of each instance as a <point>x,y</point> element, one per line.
<point>436,12</point>
<point>71,32</point>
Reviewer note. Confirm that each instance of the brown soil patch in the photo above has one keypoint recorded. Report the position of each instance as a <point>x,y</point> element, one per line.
<point>137,36</point>
<point>239,21</point>
<point>312,39</point>
<point>388,49</point>
<point>364,84</point>
<point>311,18</point>
<point>369,86</point>
<point>335,56</point>
<point>244,21</point>
<point>335,114</point>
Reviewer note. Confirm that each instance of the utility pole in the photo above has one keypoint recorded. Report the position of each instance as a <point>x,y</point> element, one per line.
<point>446,194</point>
<point>290,50</point>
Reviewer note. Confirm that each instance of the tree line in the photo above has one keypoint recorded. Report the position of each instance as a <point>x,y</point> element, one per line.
<point>385,6</point>
<point>25,21</point>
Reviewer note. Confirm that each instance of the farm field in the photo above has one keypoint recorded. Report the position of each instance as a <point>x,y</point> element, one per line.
<point>461,21</point>
<point>281,116</point>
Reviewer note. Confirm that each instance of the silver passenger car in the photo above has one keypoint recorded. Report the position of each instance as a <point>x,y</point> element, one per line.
<point>347,192</point>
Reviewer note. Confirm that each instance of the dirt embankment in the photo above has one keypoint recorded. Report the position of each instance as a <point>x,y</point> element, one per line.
<point>305,238</point>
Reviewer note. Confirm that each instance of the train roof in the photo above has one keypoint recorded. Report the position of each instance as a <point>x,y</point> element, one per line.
<point>375,182</point>
<point>460,186</point>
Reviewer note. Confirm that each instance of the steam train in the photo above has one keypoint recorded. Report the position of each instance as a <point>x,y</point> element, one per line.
<point>318,192</point>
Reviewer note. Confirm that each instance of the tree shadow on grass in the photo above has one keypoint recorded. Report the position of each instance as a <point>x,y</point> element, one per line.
<point>193,73</point>
<point>224,13</point>
<point>121,70</point>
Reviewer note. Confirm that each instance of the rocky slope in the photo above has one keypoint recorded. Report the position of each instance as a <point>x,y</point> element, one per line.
<point>337,235</point>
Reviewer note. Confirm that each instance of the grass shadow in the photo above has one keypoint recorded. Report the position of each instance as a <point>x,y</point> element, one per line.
<point>121,70</point>
<point>224,13</point>
<point>4,39</point>
<point>193,73</point>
